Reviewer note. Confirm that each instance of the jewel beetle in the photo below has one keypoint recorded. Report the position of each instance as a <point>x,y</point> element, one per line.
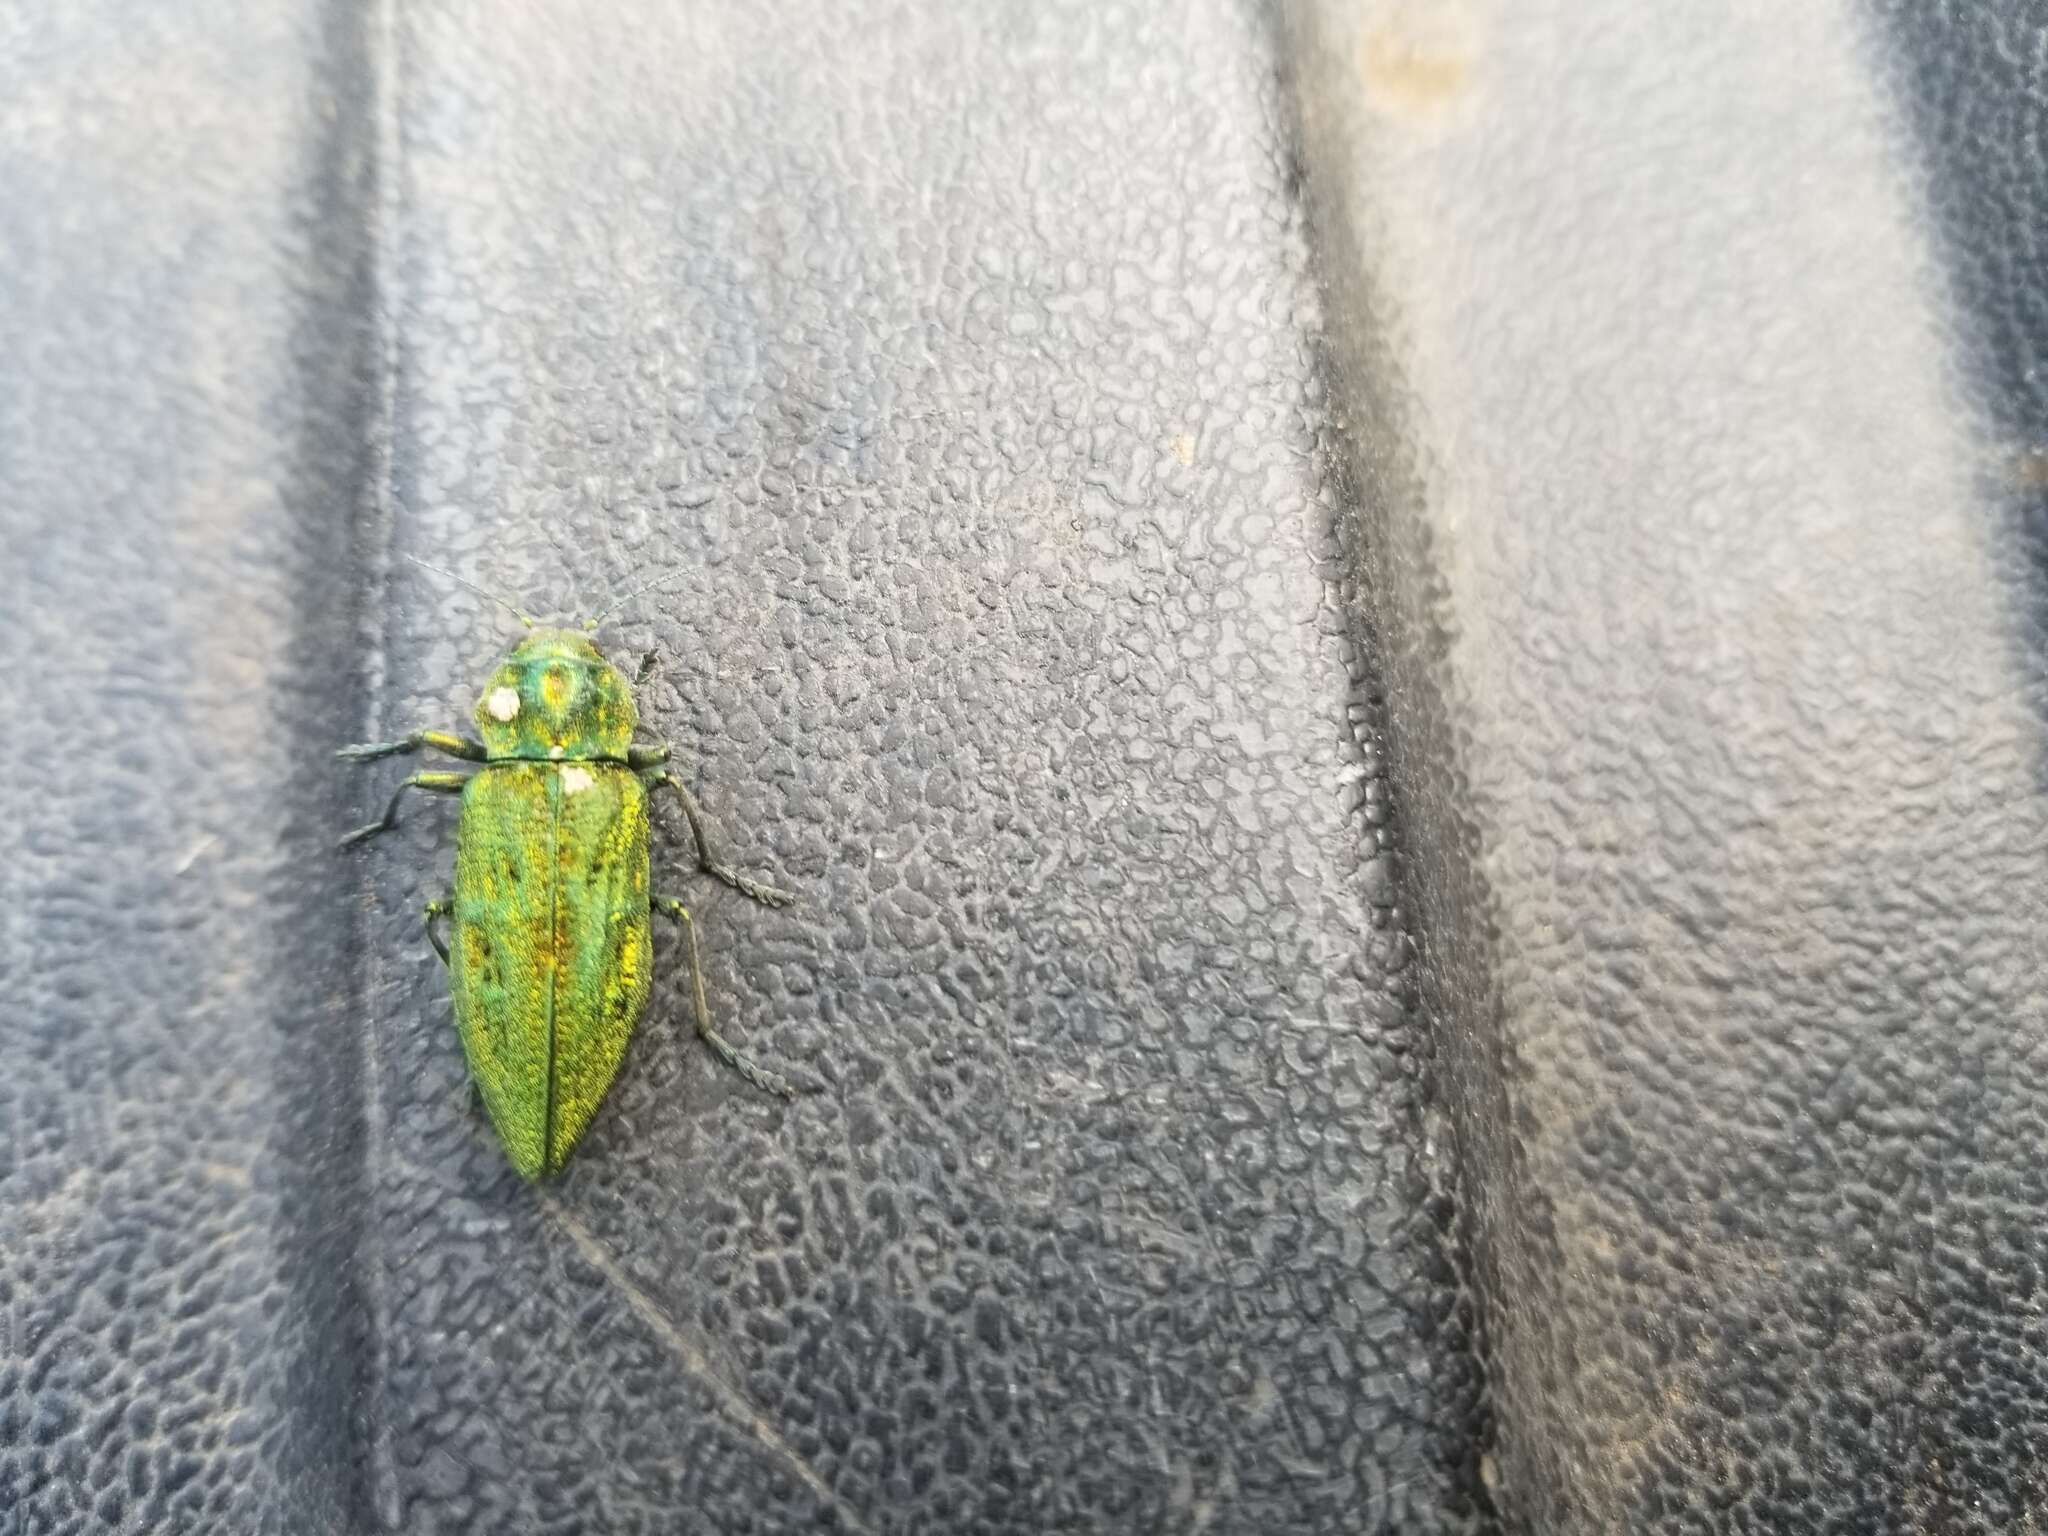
<point>548,948</point>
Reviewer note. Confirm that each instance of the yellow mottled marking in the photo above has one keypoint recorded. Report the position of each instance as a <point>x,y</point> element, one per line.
<point>551,861</point>
<point>629,965</point>
<point>555,684</point>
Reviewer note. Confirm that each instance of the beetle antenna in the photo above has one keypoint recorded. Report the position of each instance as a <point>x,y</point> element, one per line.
<point>590,625</point>
<point>462,581</point>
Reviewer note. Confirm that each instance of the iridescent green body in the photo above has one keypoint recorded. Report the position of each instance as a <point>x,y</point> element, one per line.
<point>549,944</point>
<point>549,959</point>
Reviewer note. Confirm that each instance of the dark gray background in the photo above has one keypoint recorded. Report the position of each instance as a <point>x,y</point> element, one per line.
<point>1135,471</point>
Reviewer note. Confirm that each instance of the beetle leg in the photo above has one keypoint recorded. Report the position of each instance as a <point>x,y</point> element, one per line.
<point>437,783</point>
<point>428,913</point>
<point>639,755</point>
<point>439,741</point>
<point>768,895</point>
<point>760,1077</point>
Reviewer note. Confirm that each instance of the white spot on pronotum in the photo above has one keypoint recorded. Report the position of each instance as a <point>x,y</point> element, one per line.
<point>554,752</point>
<point>575,780</point>
<point>503,703</point>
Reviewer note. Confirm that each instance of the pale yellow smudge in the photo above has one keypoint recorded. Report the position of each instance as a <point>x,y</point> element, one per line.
<point>1416,65</point>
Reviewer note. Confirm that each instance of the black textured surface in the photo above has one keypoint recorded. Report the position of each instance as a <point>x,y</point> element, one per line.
<point>184,403</point>
<point>1696,465</point>
<point>1685,374</point>
<point>963,360</point>
<point>976,400</point>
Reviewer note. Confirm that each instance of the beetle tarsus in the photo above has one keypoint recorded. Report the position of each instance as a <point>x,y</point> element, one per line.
<point>767,895</point>
<point>724,1049</point>
<point>746,885</point>
<point>364,834</point>
<point>370,751</point>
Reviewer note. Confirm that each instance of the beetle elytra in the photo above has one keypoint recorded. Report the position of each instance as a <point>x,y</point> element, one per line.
<point>548,951</point>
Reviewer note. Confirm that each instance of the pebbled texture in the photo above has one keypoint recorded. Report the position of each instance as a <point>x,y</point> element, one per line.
<point>184,407</point>
<point>961,363</point>
<point>958,360</point>
<point>972,365</point>
<point>1716,688</point>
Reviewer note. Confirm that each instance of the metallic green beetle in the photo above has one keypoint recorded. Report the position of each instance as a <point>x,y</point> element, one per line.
<point>549,963</point>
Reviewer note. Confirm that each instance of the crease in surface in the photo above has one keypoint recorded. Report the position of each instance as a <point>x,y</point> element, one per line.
<point>377,539</point>
<point>693,1359</point>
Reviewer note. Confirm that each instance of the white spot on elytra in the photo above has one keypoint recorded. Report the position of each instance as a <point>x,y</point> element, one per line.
<point>576,779</point>
<point>554,752</point>
<point>503,704</point>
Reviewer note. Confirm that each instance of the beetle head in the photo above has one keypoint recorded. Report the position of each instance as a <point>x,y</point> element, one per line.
<point>555,696</point>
